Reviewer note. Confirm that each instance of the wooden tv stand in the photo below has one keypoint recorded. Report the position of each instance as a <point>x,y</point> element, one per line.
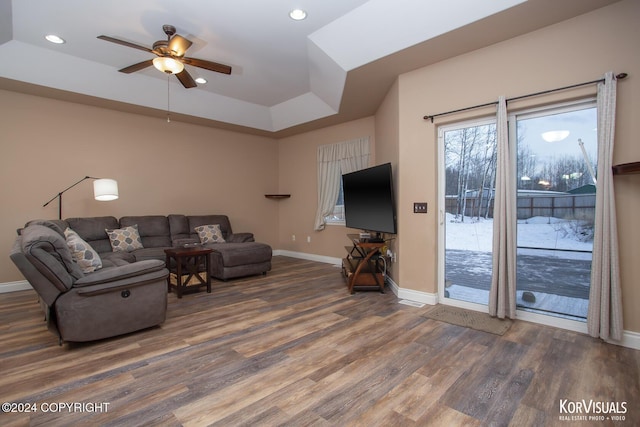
<point>360,267</point>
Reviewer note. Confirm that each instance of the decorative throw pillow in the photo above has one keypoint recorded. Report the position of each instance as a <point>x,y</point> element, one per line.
<point>210,233</point>
<point>125,239</point>
<point>82,253</point>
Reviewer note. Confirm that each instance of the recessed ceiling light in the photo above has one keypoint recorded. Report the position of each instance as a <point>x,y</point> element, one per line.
<point>54,39</point>
<point>201,80</point>
<point>297,14</point>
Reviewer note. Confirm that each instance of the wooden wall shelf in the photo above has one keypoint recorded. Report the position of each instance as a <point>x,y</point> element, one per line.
<point>626,168</point>
<point>277,196</point>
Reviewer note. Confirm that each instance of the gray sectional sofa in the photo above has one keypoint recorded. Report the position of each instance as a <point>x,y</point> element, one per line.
<point>127,290</point>
<point>240,255</point>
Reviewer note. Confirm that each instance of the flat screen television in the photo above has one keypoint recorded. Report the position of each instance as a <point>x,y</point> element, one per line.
<point>369,202</point>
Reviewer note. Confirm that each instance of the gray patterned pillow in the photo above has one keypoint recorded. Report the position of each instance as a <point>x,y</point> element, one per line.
<point>210,233</point>
<point>82,253</point>
<point>125,239</point>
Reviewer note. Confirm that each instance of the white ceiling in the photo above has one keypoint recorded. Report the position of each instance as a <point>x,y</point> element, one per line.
<point>334,65</point>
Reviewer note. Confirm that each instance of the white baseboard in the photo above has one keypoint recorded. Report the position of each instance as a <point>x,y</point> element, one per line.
<point>630,339</point>
<point>417,296</point>
<point>393,286</point>
<point>20,285</point>
<point>309,257</point>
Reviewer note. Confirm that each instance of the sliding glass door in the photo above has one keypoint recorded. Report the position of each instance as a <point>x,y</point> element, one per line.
<point>469,157</point>
<point>556,159</point>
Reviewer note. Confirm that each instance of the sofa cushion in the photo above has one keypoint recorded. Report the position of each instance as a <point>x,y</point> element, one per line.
<point>117,257</point>
<point>154,229</point>
<point>47,250</point>
<point>57,225</point>
<point>179,225</point>
<point>125,239</point>
<point>114,262</point>
<point>83,254</point>
<point>127,271</point>
<point>150,253</point>
<point>91,229</point>
<point>183,226</point>
<point>234,254</point>
<point>210,233</point>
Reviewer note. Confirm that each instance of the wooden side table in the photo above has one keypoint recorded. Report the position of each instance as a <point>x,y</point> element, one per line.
<point>188,262</point>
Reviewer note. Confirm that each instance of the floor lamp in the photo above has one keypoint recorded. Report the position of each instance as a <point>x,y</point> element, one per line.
<point>103,189</point>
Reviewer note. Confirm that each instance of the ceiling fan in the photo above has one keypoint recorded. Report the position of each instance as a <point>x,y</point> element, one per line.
<point>170,57</point>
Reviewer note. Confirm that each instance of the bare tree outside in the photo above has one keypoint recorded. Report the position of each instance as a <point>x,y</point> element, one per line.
<point>470,161</point>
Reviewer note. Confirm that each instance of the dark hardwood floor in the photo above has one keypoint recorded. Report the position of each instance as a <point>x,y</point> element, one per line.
<point>295,348</point>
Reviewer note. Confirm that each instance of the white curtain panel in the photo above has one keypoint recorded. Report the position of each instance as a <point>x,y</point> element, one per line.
<point>502,294</point>
<point>333,161</point>
<point>604,318</point>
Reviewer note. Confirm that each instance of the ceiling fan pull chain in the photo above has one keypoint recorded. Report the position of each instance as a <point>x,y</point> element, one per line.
<point>168,104</point>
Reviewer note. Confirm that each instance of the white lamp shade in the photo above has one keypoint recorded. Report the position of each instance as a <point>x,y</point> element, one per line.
<point>105,189</point>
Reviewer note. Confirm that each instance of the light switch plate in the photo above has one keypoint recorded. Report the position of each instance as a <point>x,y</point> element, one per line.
<point>420,207</point>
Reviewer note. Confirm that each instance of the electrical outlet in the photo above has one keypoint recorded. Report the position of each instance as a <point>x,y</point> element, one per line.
<point>308,239</point>
<point>420,207</point>
<point>293,237</point>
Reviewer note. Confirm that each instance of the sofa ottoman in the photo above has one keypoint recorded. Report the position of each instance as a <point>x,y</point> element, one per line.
<point>230,260</point>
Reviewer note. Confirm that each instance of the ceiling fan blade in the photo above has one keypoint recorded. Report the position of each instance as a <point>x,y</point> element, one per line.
<point>178,45</point>
<point>137,67</point>
<point>124,43</point>
<point>208,65</point>
<point>186,79</point>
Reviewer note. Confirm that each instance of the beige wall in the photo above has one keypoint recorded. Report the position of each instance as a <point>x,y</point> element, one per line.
<point>574,51</point>
<point>161,168</point>
<point>298,177</point>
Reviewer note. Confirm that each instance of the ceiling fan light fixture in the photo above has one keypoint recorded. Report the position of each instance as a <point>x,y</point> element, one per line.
<point>167,62</point>
<point>201,81</point>
<point>168,65</point>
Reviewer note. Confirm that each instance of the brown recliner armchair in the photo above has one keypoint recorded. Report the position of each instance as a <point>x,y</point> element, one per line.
<point>116,299</point>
